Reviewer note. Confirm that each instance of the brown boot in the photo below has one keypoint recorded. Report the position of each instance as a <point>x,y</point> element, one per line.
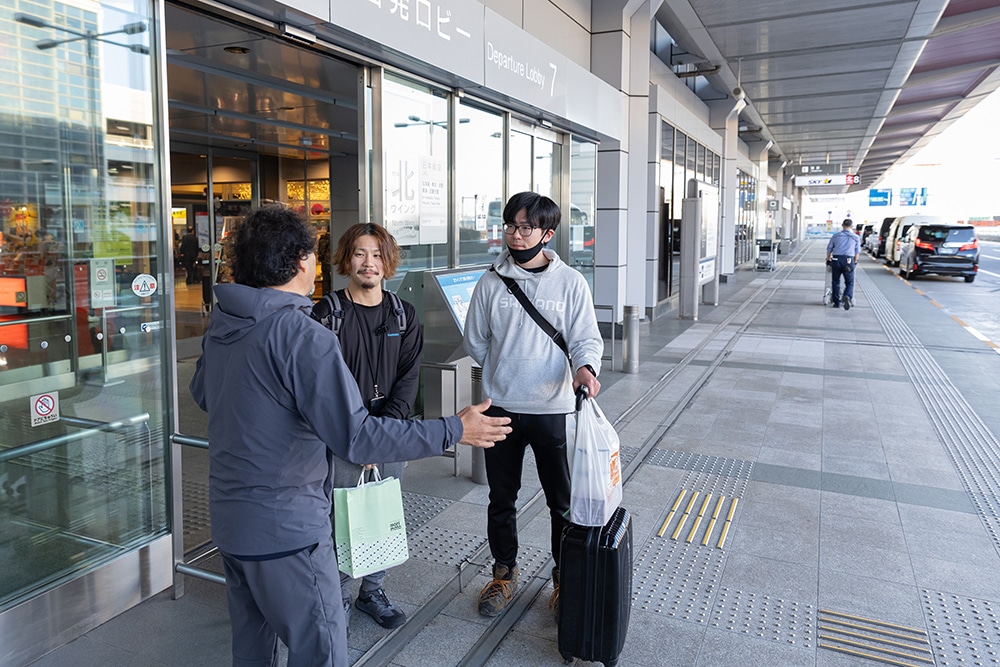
<point>497,594</point>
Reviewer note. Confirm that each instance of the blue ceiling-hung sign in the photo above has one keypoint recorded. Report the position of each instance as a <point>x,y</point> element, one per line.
<point>880,197</point>
<point>913,196</point>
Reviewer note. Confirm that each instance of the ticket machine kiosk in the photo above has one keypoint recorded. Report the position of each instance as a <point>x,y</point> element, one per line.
<point>441,299</point>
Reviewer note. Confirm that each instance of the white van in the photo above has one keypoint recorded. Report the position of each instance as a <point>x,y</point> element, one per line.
<point>897,232</point>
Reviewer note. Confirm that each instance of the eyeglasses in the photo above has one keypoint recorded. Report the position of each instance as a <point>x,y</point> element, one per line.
<point>523,230</point>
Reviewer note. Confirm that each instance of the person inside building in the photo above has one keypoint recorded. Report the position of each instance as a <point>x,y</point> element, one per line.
<point>527,376</point>
<point>189,256</point>
<point>280,401</point>
<point>842,253</point>
<point>381,341</point>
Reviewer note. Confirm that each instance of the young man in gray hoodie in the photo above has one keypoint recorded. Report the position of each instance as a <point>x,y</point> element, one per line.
<point>528,378</point>
<point>280,403</point>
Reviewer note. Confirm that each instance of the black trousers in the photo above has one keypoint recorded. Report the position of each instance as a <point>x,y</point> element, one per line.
<point>546,435</point>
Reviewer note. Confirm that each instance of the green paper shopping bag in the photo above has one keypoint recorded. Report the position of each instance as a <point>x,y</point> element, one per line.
<point>369,528</point>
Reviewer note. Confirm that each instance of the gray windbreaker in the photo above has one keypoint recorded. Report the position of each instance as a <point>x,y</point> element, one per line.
<point>279,400</point>
<point>523,369</point>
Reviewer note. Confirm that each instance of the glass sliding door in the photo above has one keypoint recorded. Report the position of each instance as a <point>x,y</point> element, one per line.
<point>83,312</point>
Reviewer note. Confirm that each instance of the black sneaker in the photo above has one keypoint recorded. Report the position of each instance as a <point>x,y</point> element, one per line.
<point>377,605</point>
<point>847,304</point>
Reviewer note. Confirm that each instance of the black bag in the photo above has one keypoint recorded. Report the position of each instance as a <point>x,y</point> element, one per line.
<point>595,602</point>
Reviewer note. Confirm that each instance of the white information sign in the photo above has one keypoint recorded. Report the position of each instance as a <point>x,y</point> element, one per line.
<point>44,408</point>
<point>102,283</point>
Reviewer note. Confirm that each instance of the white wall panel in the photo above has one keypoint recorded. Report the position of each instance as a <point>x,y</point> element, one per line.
<point>554,27</point>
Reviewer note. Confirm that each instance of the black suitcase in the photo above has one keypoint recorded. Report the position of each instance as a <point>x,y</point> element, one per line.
<point>595,592</point>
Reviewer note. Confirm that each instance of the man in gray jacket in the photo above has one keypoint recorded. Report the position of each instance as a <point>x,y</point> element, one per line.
<point>280,402</point>
<point>528,378</point>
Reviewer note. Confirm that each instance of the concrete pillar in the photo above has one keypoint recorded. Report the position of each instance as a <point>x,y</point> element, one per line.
<point>724,117</point>
<point>620,55</point>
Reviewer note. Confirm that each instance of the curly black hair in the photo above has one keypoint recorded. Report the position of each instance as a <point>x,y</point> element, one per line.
<point>269,244</point>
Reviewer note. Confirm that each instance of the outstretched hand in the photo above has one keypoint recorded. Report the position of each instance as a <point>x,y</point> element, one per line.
<point>479,430</point>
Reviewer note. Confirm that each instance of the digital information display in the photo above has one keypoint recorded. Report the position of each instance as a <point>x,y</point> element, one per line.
<point>457,289</point>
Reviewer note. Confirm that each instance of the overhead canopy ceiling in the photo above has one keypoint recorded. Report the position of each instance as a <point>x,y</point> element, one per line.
<point>851,87</point>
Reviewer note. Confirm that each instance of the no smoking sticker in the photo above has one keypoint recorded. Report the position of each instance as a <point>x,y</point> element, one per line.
<point>44,408</point>
<point>144,285</point>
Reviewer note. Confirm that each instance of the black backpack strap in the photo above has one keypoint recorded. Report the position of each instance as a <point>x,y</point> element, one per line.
<point>328,312</point>
<point>546,326</point>
<point>397,309</point>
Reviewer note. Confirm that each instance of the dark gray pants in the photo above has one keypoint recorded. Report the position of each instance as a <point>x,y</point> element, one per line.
<point>296,598</point>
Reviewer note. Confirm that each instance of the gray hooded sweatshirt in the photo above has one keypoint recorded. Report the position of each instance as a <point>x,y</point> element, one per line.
<point>280,400</point>
<point>523,369</point>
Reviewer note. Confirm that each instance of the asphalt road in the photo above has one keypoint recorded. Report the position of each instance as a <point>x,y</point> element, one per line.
<point>975,304</point>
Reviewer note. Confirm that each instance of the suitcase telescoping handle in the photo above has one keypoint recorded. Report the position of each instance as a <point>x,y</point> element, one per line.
<point>581,393</point>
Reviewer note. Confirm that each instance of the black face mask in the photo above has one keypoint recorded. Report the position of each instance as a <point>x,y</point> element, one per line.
<point>526,255</point>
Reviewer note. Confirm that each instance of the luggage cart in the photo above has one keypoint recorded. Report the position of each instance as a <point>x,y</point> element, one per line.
<point>828,294</point>
<point>765,255</point>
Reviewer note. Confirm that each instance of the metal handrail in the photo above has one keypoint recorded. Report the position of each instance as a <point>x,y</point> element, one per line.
<point>189,440</point>
<point>50,443</point>
<point>183,566</point>
<point>36,320</point>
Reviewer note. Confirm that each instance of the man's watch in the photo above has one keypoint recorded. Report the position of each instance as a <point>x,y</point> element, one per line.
<point>591,369</point>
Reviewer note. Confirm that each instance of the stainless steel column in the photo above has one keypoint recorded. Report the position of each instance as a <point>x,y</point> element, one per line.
<point>630,340</point>
<point>478,454</point>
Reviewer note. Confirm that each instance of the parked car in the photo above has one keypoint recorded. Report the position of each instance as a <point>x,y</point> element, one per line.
<point>897,232</point>
<point>883,234</point>
<point>866,232</point>
<point>941,248</point>
<point>870,245</point>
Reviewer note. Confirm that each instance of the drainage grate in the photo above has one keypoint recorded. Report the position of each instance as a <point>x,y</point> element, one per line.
<point>964,630</point>
<point>875,640</point>
<point>419,509</point>
<point>676,579</point>
<point>442,546</point>
<point>765,617</point>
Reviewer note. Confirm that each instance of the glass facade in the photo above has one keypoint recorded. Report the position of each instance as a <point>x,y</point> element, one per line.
<point>82,299</point>
<point>416,195</point>
<point>479,184</point>
<point>583,207</point>
<point>746,217</point>
<point>92,311</point>
<point>681,159</point>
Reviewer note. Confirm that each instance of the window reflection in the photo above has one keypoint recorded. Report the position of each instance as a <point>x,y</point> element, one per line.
<point>81,304</point>
<point>583,207</point>
<point>415,136</point>
<point>479,181</point>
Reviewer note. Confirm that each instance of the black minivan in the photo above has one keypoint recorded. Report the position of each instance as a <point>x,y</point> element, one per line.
<point>941,248</point>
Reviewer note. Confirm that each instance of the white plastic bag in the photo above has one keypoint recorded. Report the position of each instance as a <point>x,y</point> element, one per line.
<point>594,466</point>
